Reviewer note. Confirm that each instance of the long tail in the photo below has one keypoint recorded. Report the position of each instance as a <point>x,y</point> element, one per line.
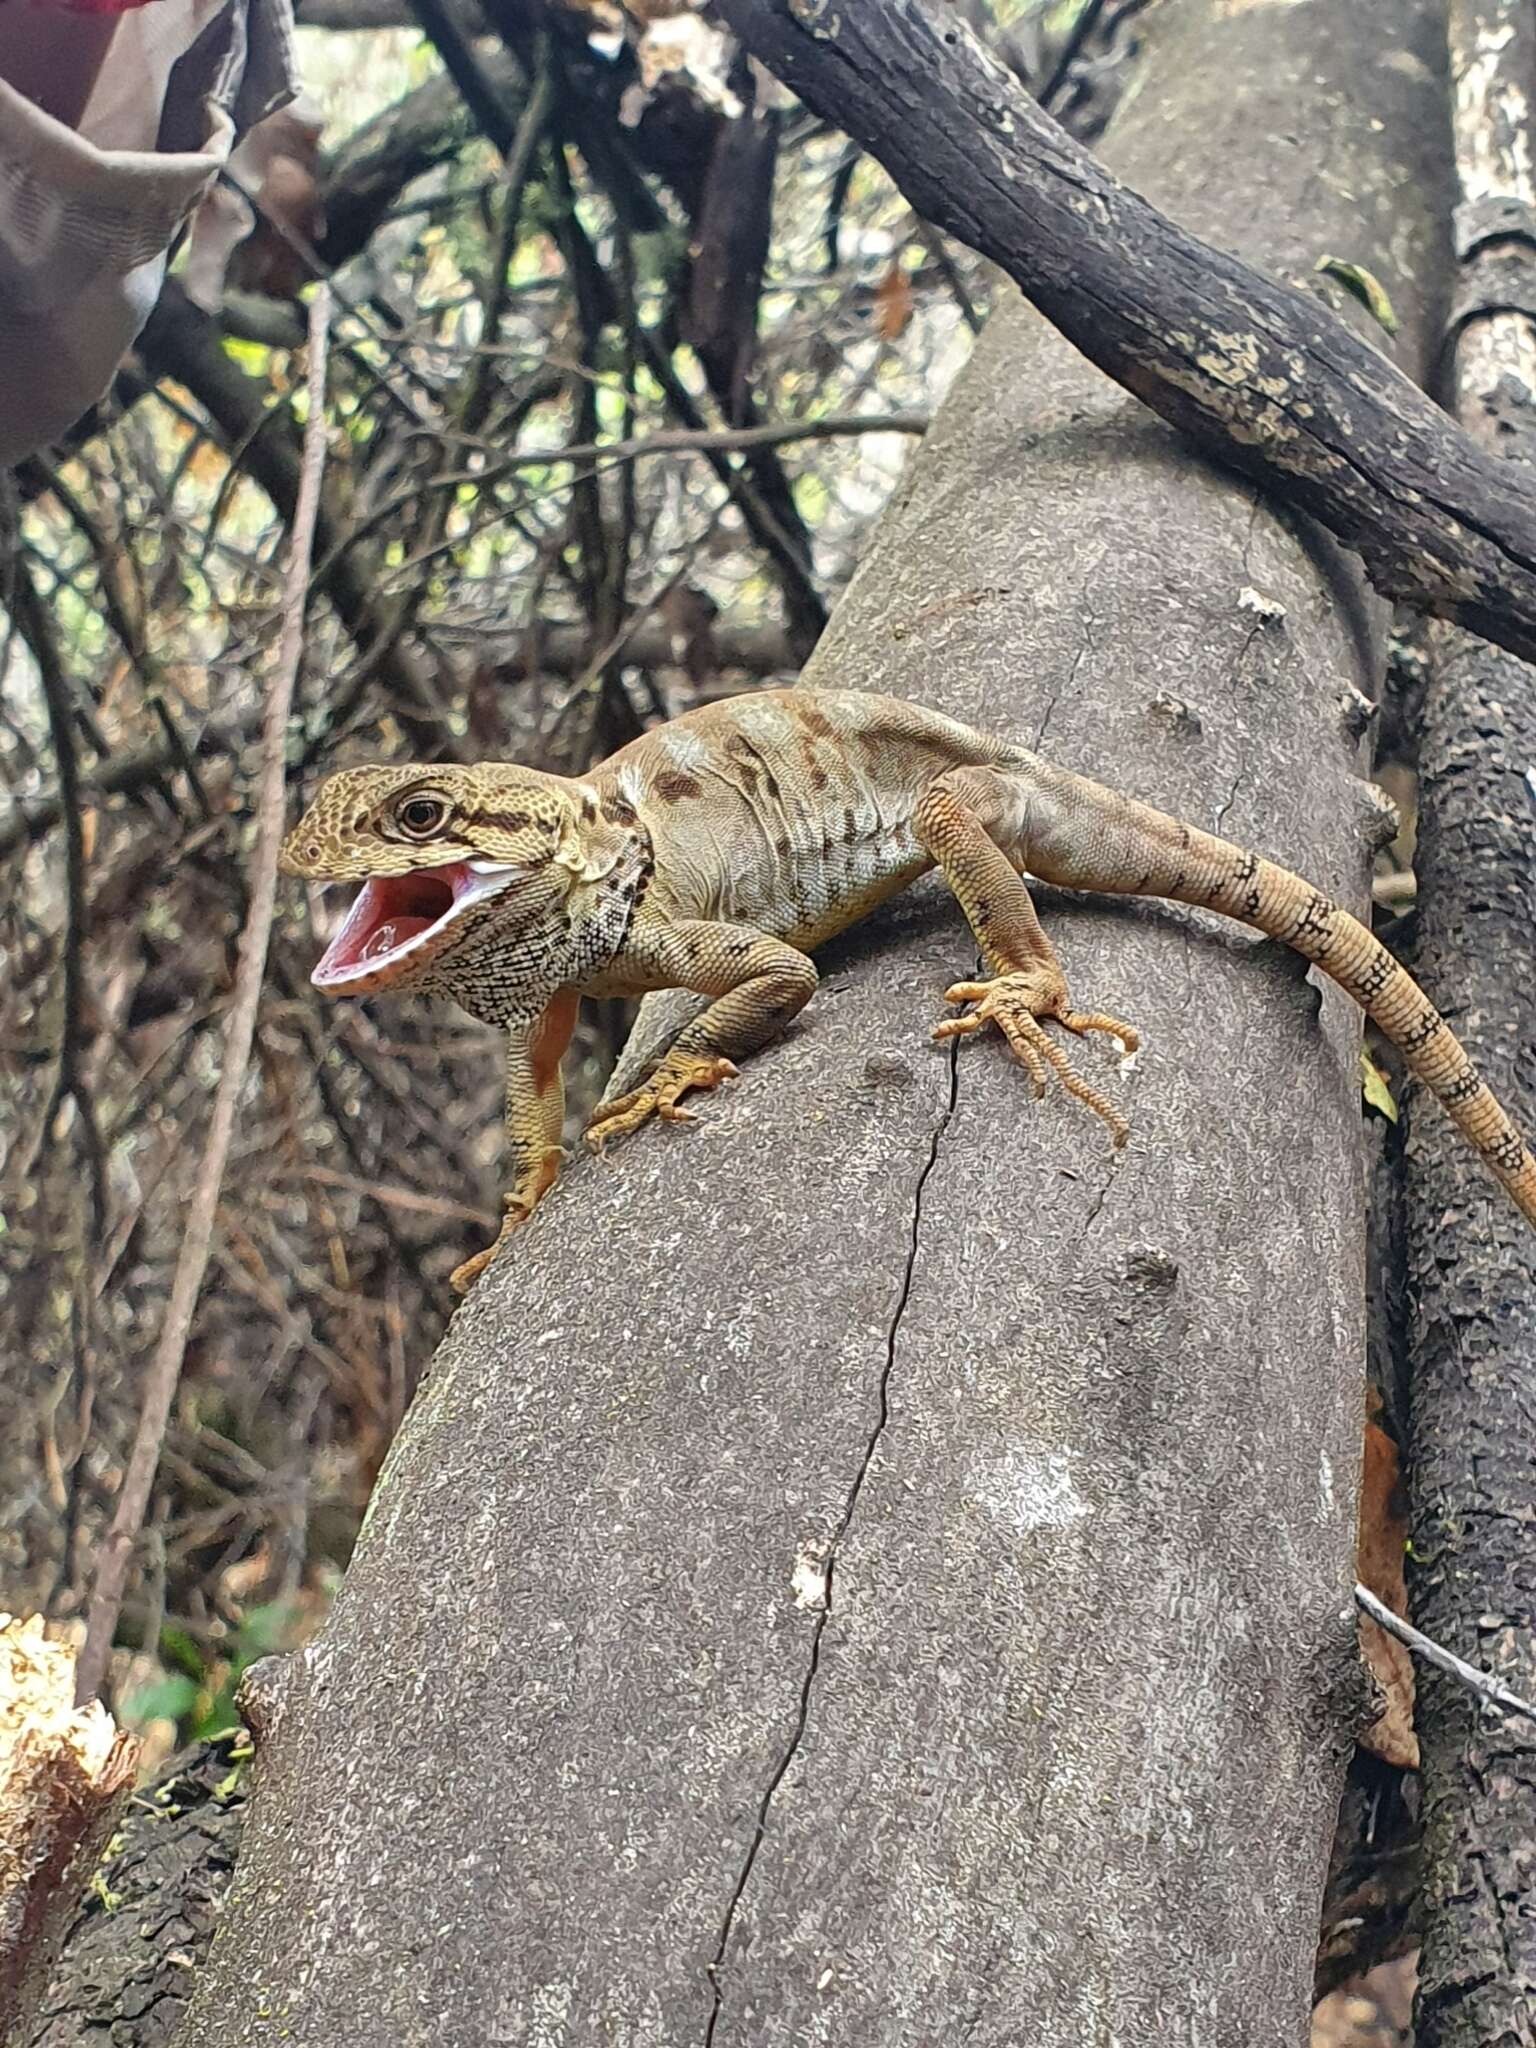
<point>1132,849</point>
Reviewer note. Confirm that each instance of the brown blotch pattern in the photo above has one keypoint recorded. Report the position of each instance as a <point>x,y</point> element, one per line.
<point>674,787</point>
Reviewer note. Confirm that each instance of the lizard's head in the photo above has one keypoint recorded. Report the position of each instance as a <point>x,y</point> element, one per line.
<point>443,853</point>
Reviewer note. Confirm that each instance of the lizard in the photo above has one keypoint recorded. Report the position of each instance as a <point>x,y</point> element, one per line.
<point>717,851</point>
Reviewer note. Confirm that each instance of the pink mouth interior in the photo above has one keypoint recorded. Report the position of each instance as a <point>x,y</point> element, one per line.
<point>390,911</point>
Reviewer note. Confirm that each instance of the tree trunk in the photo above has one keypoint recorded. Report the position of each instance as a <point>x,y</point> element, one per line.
<point>874,1568</point>
<point>1471,1264</point>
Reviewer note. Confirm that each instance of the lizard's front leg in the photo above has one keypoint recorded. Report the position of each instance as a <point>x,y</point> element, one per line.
<point>1030,985</point>
<point>758,984</point>
<point>535,1116</point>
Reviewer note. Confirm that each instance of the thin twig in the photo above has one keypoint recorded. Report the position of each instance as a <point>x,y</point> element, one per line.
<point>945,265</point>
<point>192,1261</point>
<point>322,272</point>
<point>706,441</point>
<point>1483,1683</point>
<point>710,440</point>
<point>35,817</point>
<point>589,683</point>
<point>1071,50</point>
<point>517,172</point>
<point>408,1199</point>
<point>31,616</point>
<point>475,401</point>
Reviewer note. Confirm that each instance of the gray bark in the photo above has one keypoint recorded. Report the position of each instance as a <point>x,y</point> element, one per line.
<point>1471,1265</point>
<point>874,1568</point>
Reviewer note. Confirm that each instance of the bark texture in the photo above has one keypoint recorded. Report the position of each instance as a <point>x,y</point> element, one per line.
<point>1471,1268</point>
<point>874,1568</point>
<point>130,1954</point>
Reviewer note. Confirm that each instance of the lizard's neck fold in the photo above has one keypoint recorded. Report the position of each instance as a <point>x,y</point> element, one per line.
<point>528,951</point>
<point>601,911</point>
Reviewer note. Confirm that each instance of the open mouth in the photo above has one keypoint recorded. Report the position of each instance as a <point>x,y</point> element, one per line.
<point>401,921</point>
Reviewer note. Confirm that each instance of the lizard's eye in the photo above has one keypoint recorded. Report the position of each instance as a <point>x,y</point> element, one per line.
<point>423,817</point>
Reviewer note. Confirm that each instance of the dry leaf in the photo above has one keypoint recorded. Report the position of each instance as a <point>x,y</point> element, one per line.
<point>1381,1546</point>
<point>893,304</point>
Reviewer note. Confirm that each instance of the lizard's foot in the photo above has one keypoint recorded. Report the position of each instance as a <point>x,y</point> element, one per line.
<point>660,1096</point>
<point>1016,1003</point>
<point>462,1278</point>
<point>519,1206</point>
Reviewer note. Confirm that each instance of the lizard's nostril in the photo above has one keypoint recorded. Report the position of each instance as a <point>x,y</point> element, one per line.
<point>313,850</point>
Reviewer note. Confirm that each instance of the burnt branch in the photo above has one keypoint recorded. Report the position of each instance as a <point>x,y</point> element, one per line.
<point>1255,372</point>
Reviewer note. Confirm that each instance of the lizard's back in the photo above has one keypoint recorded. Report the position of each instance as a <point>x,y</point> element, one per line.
<point>789,810</point>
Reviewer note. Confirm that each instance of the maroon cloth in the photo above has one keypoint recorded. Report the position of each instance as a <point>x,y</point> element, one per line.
<point>93,6</point>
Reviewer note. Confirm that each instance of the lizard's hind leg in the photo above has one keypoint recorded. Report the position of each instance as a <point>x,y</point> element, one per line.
<point>952,823</point>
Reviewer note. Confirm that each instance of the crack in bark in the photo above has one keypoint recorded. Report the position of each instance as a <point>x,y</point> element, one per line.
<point>1231,797</point>
<point>1103,1194</point>
<point>1088,647</point>
<point>844,1523</point>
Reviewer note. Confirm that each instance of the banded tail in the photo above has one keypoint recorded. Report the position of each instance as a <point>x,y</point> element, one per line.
<point>1152,854</point>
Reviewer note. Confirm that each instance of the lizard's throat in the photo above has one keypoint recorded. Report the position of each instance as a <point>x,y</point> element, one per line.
<point>400,923</point>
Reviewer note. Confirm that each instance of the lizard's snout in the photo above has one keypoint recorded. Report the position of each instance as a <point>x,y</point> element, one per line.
<point>302,853</point>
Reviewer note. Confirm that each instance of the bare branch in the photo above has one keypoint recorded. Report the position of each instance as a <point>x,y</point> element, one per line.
<point>192,1263</point>
<point>31,615</point>
<point>1483,1683</point>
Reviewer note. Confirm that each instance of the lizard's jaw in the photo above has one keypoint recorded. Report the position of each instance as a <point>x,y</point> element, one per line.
<point>400,923</point>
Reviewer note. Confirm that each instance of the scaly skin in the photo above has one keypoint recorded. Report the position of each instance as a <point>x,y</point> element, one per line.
<point>715,852</point>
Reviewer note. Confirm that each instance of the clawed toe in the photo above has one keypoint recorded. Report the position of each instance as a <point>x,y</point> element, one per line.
<point>660,1096</point>
<point>1017,1004</point>
<point>1084,1021</point>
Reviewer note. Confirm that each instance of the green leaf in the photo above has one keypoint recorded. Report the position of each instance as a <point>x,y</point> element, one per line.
<point>1373,1085</point>
<point>179,1650</point>
<point>254,357</point>
<point>229,1784</point>
<point>163,1699</point>
<point>1363,285</point>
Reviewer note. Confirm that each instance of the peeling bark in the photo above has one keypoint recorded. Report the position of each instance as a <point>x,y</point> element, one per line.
<point>1472,1269</point>
<point>874,1568</point>
<point>65,1776</point>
